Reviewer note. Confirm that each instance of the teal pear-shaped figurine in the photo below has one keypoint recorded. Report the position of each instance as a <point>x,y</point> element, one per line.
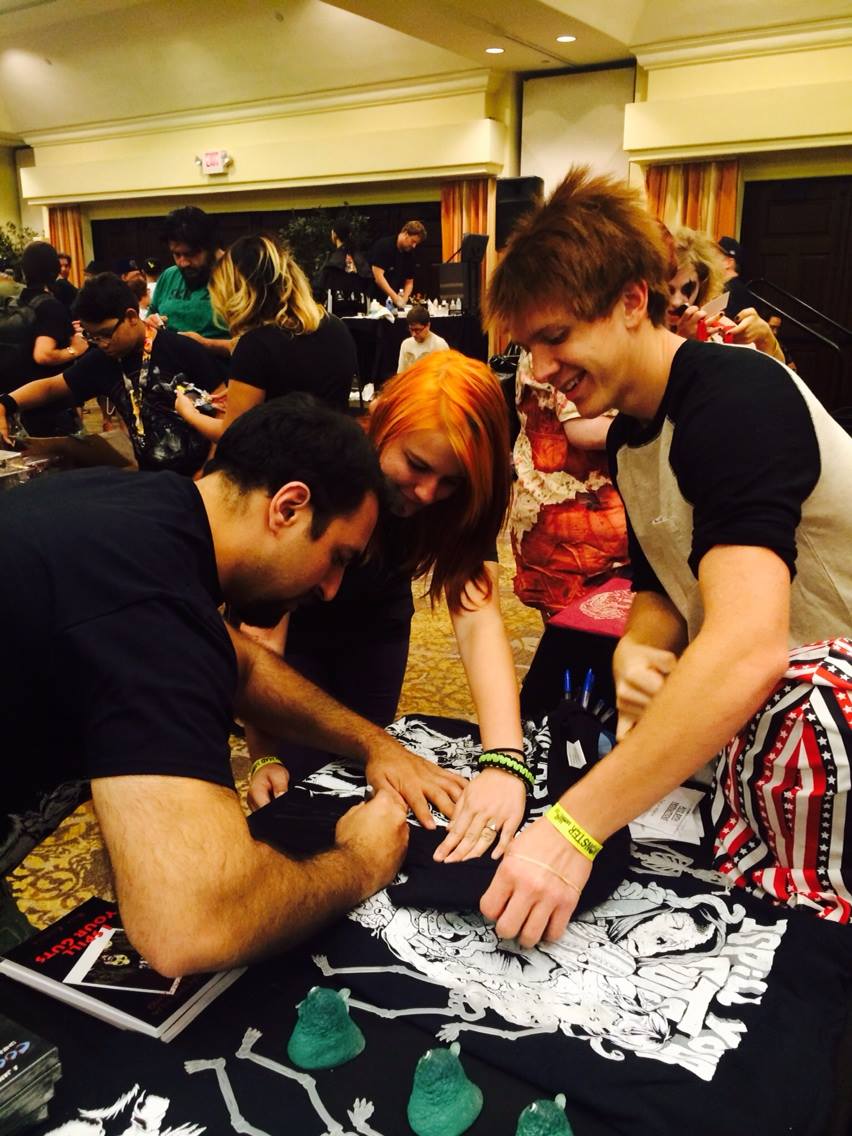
<point>324,1035</point>
<point>544,1118</point>
<point>443,1101</point>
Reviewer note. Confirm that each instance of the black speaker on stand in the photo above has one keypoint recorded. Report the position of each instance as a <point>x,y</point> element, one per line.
<point>459,280</point>
<point>515,197</point>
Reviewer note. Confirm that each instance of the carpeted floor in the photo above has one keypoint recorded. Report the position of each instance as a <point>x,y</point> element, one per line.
<point>72,865</point>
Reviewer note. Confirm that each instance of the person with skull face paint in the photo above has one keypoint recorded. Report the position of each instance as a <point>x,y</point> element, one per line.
<point>701,277</point>
<point>182,297</point>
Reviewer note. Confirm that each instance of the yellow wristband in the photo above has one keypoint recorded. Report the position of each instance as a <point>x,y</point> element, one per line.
<point>261,761</point>
<point>573,832</point>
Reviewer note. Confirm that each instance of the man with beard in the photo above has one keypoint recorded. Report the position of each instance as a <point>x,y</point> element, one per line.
<point>181,297</point>
<point>125,675</point>
<point>136,367</point>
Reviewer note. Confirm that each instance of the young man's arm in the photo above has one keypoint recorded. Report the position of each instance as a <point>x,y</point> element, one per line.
<point>198,893</point>
<point>721,679</point>
<point>34,394</point>
<point>278,700</point>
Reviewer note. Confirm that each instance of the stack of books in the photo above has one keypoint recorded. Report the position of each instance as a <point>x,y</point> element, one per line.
<point>29,1069</point>
<point>86,960</point>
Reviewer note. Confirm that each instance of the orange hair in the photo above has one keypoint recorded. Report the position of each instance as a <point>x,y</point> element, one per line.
<point>462,398</point>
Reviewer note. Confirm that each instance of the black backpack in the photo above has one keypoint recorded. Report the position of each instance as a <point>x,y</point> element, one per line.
<point>17,336</point>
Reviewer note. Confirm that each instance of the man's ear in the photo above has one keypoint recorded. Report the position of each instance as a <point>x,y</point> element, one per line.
<point>634,296</point>
<point>284,506</point>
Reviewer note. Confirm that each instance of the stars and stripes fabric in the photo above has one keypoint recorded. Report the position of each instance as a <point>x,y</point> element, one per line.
<point>781,807</point>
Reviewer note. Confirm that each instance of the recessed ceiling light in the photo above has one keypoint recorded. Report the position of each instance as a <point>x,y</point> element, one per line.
<point>494,51</point>
<point>565,39</point>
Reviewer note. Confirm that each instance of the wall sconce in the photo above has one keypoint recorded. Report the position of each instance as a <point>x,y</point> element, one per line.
<point>214,161</point>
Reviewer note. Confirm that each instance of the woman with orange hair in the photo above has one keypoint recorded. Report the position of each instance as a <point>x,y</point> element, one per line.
<point>441,431</point>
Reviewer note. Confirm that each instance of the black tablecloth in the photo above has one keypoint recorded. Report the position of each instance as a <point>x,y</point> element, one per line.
<point>676,1005</point>
<point>377,342</point>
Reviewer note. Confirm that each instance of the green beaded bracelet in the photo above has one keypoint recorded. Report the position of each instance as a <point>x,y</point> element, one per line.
<point>496,759</point>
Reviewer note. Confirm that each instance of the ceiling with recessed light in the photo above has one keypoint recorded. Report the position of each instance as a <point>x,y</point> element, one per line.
<point>66,63</point>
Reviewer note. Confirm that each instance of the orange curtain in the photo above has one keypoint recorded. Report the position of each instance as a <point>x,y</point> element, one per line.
<point>702,195</point>
<point>66,235</point>
<point>470,207</point>
<point>464,209</point>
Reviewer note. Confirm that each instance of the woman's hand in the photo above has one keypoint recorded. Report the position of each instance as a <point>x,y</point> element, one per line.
<point>184,406</point>
<point>750,328</point>
<point>269,782</point>
<point>491,807</point>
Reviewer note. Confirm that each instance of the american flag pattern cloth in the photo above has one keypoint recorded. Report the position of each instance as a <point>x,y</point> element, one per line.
<point>781,811</point>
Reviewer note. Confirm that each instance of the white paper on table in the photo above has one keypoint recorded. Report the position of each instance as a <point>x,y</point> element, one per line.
<point>675,817</point>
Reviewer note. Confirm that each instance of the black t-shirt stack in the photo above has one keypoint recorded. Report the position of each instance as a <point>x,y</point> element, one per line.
<point>116,660</point>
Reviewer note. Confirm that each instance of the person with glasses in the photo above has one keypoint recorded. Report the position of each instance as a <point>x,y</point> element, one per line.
<point>138,368</point>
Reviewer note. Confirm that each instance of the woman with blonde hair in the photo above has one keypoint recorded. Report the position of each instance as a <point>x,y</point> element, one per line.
<point>441,431</point>
<point>285,340</point>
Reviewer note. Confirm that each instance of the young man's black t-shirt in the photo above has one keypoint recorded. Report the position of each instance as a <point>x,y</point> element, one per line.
<point>116,660</point>
<point>739,453</point>
<point>64,291</point>
<point>124,382</point>
<point>398,265</point>
<point>323,362</point>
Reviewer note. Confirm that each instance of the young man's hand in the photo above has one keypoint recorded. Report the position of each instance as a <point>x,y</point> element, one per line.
<point>375,833</point>
<point>537,886</point>
<point>639,671</point>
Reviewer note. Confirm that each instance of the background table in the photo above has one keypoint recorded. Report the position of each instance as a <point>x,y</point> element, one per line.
<point>377,342</point>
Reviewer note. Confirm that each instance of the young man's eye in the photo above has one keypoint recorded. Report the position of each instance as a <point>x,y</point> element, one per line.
<point>556,337</point>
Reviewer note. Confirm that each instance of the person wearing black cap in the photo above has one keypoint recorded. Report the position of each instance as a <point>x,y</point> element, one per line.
<point>129,270</point>
<point>741,298</point>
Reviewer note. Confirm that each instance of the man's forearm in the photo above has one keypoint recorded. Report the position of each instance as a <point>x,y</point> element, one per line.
<point>203,895</point>
<point>40,391</point>
<point>278,700</point>
<point>381,280</point>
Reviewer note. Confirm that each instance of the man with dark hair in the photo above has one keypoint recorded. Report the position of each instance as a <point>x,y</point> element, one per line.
<point>120,638</point>
<point>346,270</point>
<point>137,367</point>
<point>181,297</point>
<point>52,342</point>
<point>736,484</point>
<point>392,261</point>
